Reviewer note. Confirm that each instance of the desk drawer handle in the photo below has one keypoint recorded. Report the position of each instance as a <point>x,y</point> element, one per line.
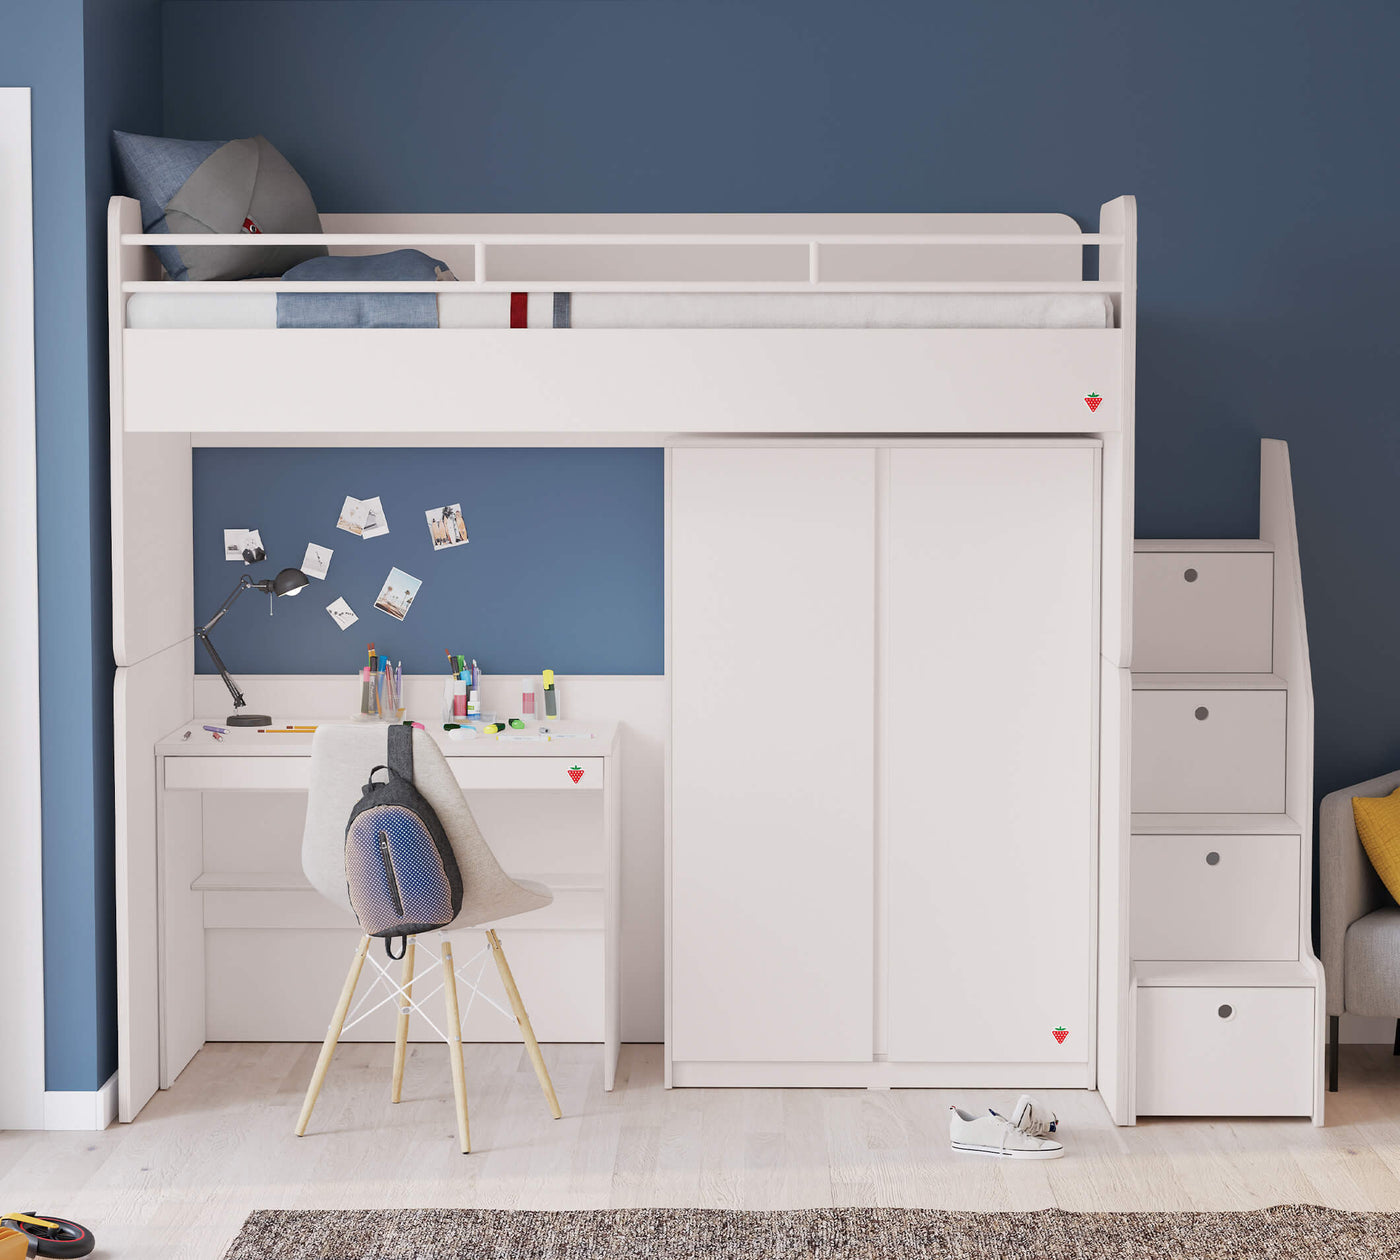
<point>1225,1011</point>
<point>1202,713</point>
<point>1212,858</point>
<point>1190,575</point>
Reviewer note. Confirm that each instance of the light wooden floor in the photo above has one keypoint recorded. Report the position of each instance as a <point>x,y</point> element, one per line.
<point>179,1181</point>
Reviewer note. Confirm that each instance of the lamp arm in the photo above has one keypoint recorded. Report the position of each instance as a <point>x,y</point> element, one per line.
<point>202,634</point>
<point>244,583</point>
<point>238,700</point>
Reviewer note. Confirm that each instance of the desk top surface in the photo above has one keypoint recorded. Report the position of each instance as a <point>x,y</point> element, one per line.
<point>576,739</point>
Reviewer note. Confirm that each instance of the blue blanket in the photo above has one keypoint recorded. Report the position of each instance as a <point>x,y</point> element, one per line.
<point>362,310</point>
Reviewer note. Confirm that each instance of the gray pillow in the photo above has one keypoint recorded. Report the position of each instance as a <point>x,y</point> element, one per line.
<point>199,186</point>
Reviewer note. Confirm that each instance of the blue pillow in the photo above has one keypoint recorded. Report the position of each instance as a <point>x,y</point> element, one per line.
<point>363,310</point>
<point>218,186</point>
<point>154,170</point>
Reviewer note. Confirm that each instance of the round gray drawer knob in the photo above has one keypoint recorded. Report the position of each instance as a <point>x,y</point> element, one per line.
<point>1212,859</point>
<point>1190,575</point>
<point>1202,713</point>
<point>1225,1011</point>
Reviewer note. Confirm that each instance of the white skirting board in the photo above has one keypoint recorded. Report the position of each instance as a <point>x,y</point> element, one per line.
<point>265,834</point>
<point>81,1109</point>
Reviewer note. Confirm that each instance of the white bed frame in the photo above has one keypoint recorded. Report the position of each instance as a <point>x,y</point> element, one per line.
<point>173,389</point>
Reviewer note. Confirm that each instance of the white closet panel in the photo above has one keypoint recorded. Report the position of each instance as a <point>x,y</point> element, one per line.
<point>772,656</point>
<point>991,640</point>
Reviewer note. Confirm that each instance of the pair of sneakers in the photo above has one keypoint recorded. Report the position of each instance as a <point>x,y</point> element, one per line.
<point>1024,1134</point>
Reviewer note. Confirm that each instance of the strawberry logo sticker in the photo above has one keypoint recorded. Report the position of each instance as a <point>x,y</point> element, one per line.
<point>575,773</point>
<point>1092,401</point>
<point>1060,1034</point>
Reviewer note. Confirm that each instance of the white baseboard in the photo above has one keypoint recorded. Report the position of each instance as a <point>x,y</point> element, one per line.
<point>81,1109</point>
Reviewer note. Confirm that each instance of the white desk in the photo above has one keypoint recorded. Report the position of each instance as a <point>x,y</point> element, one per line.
<point>223,922</point>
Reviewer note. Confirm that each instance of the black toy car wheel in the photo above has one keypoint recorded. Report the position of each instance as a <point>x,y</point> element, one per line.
<point>59,1238</point>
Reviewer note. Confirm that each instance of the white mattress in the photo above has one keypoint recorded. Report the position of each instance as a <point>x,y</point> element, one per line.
<point>676,310</point>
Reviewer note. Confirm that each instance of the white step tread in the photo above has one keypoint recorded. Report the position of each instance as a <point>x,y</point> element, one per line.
<point>1224,975</point>
<point>1209,682</point>
<point>1214,825</point>
<point>1201,544</point>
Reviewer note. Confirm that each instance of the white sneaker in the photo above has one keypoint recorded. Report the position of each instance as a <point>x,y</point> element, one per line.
<point>996,1135</point>
<point>1033,1117</point>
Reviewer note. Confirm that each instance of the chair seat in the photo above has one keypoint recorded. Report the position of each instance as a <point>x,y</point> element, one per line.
<point>1372,964</point>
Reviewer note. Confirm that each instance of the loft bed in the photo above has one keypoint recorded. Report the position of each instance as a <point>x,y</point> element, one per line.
<point>681,328</point>
<point>681,324</point>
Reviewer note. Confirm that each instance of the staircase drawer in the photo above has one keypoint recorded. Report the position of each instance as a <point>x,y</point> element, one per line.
<point>1224,1052</point>
<point>1209,752</point>
<point>1203,612</point>
<point>1223,898</point>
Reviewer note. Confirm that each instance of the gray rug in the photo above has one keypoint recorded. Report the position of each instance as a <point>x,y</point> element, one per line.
<point>1278,1233</point>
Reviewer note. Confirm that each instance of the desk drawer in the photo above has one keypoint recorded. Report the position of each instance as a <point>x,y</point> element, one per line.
<point>1221,898</point>
<point>1224,1052</point>
<point>237,774</point>
<point>1203,612</point>
<point>486,773</point>
<point>293,774</point>
<point>1208,752</point>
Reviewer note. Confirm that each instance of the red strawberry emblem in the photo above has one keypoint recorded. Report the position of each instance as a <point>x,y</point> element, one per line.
<point>1093,401</point>
<point>1060,1034</point>
<point>575,773</point>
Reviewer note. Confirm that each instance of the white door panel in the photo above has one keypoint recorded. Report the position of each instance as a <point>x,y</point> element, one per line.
<point>989,751</point>
<point>772,920</point>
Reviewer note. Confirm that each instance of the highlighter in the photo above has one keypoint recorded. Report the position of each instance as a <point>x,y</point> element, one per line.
<point>551,695</point>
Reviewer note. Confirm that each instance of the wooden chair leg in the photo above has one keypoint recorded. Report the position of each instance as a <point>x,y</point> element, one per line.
<point>454,1047</point>
<point>318,1077</point>
<point>532,1047</point>
<point>401,1040</point>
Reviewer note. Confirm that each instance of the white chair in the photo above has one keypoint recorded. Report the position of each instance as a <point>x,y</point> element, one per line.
<point>341,760</point>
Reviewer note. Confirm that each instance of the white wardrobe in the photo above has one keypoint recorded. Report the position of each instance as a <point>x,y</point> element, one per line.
<point>884,664</point>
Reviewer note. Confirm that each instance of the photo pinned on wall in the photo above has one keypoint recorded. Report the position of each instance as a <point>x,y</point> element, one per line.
<point>341,613</point>
<point>352,519</point>
<point>398,593</point>
<point>244,546</point>
<point>376,523</point>
<point>317,561</point>
<point>446,527</point>
<point>363,517</point>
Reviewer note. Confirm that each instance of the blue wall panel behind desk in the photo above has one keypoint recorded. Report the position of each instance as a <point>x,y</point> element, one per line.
<point>564,569</point>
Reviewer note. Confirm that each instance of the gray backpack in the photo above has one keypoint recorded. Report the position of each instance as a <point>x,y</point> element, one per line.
<point>400,871</point>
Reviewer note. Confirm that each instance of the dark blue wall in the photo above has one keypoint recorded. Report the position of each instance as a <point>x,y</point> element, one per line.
<point>563,571</point>
<point>1257,136</point>
<point>90,66</point>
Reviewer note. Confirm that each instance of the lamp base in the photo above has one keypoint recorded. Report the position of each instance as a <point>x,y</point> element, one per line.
<point>249,719</point>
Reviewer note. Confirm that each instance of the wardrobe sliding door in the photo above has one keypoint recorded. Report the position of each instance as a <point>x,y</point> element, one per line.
<point>772,763</point>
<point>990,752</point>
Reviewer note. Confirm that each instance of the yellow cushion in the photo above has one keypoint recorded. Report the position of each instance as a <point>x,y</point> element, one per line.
<point>1378,824</point>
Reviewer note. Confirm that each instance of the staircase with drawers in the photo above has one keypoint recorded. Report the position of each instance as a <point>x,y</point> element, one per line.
<point>1226,996</point>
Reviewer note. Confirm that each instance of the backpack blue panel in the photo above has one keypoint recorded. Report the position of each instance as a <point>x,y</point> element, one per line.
<point>423,888</point>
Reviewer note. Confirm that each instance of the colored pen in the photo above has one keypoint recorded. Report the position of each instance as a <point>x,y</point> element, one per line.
<point>283,730</point>
<point>218,730</point>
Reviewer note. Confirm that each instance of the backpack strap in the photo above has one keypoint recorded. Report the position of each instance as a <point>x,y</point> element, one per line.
<point>401,752</point>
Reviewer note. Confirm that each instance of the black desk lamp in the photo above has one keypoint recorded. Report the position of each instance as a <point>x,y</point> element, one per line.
<point>288,582</point>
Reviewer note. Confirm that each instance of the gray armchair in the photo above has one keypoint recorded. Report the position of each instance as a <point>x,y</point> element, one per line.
<point>1360,921</point>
